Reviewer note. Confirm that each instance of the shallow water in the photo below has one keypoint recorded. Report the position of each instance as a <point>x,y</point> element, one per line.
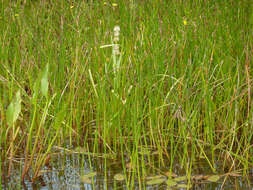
<point>67,170</point>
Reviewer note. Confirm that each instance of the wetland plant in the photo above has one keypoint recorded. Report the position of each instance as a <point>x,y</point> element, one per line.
<point>176,88</point>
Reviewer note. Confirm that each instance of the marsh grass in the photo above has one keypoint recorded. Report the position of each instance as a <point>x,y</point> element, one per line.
<point>183,87</point>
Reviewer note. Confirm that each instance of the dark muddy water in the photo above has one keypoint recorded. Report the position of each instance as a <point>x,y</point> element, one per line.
<point>67,172</point>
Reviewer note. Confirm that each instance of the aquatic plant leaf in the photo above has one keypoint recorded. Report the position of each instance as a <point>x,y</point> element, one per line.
<point>87,180</point>
<point>182,178</point>
<point>213,178</point>
<point>119,177</point>
<point>10,114</point>
<point>91,174</point>
<point>154,177</point>
<point>171,182</point>
<point>199,177</point>
<point>170,174</point>
<point>14,109</point>
<point>44,82</point>
<point>183,186</point>
<point>156,180</point>
<point>36,87</point>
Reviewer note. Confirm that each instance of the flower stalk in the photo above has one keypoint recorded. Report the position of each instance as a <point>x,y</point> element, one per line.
<point>115,49</point>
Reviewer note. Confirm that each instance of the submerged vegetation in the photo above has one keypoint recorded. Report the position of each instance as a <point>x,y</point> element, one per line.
<point>174,80</point>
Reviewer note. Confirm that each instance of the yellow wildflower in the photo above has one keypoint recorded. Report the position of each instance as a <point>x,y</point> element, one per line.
<point>105,3</point>
<point>71,6</point>
<point>16,15</point>
<point>114,4</point>
<point>185,22</point>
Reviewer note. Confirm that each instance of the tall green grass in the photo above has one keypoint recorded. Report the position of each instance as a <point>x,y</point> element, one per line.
<point>183,87</point>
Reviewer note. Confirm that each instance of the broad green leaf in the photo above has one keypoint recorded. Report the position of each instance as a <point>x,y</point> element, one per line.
<point>119,177</point>
<point>10,114</point>
<point>156,180</point>
<point>14,109</point>
<point>91,174</point>
<point>171,182</point>
<point>213,178</point>
<point>44,82</point>
<point>182,178</point>
<point>36,87</point>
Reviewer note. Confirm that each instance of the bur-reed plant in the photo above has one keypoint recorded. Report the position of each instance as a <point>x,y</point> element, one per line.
<point>181,86</point>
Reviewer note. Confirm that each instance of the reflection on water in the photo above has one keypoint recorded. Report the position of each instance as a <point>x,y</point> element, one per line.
<point>66,173</point>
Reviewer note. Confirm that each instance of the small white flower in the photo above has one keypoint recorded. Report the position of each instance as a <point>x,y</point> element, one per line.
<point>116,33</point>
<point>116,39</point>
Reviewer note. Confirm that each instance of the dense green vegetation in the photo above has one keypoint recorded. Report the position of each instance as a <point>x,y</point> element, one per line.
<point>182,89</point>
